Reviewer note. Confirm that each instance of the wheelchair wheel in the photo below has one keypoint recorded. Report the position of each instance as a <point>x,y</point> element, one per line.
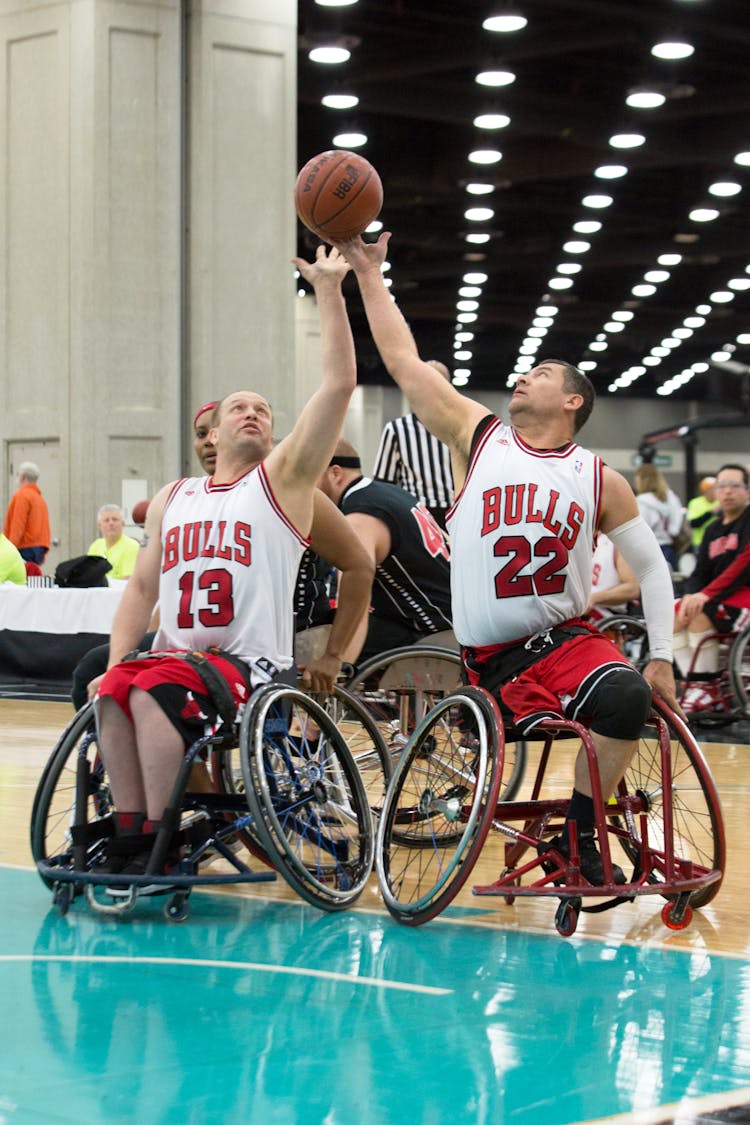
<point>73,791</point>
<point>307,796</point>
<point>399,687</point>
<point>629,635</point>
<point>362,735</point>
<point>739,670</point>
<point>228,779</point>
<point>440,805</point>
<point>698,827</point>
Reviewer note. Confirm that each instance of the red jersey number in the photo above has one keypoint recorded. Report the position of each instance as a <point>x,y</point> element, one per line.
<point>219,607</point>
<point>431,532</point>
<point>545,579</point>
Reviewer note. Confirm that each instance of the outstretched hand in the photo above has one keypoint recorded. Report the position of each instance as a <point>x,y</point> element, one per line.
<point>329,265</point>
<point>363,255</point>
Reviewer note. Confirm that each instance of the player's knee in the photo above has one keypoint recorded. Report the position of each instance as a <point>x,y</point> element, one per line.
<point>621,705</point>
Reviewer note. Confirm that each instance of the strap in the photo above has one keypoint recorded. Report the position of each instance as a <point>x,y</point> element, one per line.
<point>507,665</point>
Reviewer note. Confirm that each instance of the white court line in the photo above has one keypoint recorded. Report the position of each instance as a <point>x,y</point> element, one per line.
<point>683,1112</point>
<point>252,966</point>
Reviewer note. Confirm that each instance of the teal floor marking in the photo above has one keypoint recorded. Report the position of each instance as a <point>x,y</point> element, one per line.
<point>141,1020</point>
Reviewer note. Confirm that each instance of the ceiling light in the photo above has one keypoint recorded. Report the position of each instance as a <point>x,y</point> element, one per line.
<point>651,360</point>
<point>350,140</point>
<point>340,101</point>
<point>529,348</point>
<point>725,188</point>
<point>694,321</point>
<point>703,310</point>
<point>587,226</point>
<point>614,326</point>
<point>480,189</point>
<point>559,283</point>
<point>485,156</point>
<point>598,346</point>
<point>575,247</point>
<point>672,50</point>
<point>685,237</point>
<point>329,55</point>
<point>335,3</point>
<point>669,259</point>
<point>682,333</point>
<point>463,355</point>
<point>459,380</point>
<point>597,201</point>
<point>477,239</point>
<point>627,140</point>
<point>492,121</point>
<point>610,171</point>
<point>474,278</point>
<point>537,332</point>
<point>645,99</point>
<point>721,297</point>
<point>669,342</point>
<point>699,368</point>
<point>495,78</point>
<point>542,322</point>
<point>505,22</point>
<point>466,317</point>
<point>384,267</point>
<point>374,227</point>
<point>464,337</point>
<point>470,291</point>
<point>703,214</point>
<point>479,214</point>
<point>721,357</point>
<point>643,290</point>
<point>547,310</point>
<point>739,283</point>
<point>623,315</point>
<point>743,158</point>
<point>743,338</point>
<point>656,276</point>
<point>569,267</point>
<point>461,373</point>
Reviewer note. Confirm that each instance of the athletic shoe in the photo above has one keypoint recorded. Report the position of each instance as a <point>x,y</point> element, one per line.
<point>591,865</point>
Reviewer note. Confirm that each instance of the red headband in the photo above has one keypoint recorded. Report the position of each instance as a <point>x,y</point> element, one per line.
<point>202,410</point>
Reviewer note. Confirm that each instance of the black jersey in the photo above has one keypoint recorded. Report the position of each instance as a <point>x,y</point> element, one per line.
<point>412,584</point>
<point>719,547</point>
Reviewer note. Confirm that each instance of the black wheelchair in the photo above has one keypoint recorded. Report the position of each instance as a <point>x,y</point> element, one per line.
<point>280,790</point>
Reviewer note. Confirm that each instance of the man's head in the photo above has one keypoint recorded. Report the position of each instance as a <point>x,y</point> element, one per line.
<point>553,388</point>
<point>242,426</point>
<point>111,523</point>
<point>708,488</point>
<point>205,450</point>
<point>28,472</point>
<point>732,491</point>
<point>344,467</point>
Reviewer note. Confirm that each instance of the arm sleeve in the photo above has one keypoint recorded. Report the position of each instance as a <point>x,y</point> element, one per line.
<point>386,460</point>
<point>641,551</point>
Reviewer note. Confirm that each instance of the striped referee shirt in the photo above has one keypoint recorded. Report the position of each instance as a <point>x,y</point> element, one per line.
<point>409,455</point>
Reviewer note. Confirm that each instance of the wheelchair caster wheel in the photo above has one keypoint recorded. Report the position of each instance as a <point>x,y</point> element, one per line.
<point>176,909</point>
<point>62,897</point>
<point>674,918</point>
<point>566,918</point>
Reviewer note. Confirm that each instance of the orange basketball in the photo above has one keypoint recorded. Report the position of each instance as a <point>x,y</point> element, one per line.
<point>338,194</point>
<point>138,514</point>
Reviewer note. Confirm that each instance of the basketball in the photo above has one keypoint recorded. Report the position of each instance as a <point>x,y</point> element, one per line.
<point>138,514</point>
<point>338,194</point>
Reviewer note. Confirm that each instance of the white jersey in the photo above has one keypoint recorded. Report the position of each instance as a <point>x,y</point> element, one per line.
<point>522,537</point>
<point>229,565</point>
<point>604,572</point>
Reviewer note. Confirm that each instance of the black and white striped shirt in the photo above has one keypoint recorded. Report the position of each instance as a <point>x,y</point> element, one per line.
<point>409,455</point>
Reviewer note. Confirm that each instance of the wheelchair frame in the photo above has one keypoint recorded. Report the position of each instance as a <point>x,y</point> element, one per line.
<point>436,821</point>
<point>303,812</point>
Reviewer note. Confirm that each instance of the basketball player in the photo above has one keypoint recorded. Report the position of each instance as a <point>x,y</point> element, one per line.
<point>529,502</point>
<point>221,555</point>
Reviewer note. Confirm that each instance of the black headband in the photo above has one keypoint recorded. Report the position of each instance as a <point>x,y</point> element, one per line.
<point>345,462</point>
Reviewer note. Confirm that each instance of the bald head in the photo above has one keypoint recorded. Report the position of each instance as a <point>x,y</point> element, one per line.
<point>344,467</point>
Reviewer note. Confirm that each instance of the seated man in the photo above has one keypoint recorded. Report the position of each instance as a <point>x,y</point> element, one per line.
<point>12,566</point>
<point>411,591</point>
<point>220,555</point>
<point>718,590</point>
<point>613,583</point>
<point>530,501</point>
<point>118,549</point>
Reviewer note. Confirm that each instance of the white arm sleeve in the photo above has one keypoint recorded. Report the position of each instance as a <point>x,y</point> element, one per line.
<point>640,550</point>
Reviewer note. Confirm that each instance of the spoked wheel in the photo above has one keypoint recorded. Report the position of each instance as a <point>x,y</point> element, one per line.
<point>401,686</point>
<point>739,670</point>
<point>228,778</point>
<point>698,826</point>
<point>440,805</point>
<point>629,635</point>
<point>307,796</point>
<point>363,737</point>
<point>73,791</point>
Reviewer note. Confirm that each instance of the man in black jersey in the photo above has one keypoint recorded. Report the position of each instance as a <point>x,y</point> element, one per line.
<point>411,590</point>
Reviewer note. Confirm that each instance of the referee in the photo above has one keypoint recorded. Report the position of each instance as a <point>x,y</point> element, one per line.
<point>411,457</point>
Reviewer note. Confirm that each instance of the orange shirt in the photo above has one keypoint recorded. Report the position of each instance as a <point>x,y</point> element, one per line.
<point>27,518</point>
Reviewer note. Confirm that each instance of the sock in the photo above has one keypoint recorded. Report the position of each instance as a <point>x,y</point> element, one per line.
<point>681,651</point>
<point>705,655</point>
<point>128,823</point>
<point>581,810</point>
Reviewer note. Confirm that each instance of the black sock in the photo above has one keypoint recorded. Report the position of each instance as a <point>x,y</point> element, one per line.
<point>581,810</point>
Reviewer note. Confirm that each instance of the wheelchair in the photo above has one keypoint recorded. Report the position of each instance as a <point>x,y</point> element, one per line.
<point>400,687</point>
<point>727,689</point>
<point>444,799</point>
<point>281,787</point>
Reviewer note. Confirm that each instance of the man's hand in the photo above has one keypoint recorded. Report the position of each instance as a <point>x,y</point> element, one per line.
<point>320,675</point>
<point>362,255</point>
<point>93,687</point>
<point>328,268</point>
<point>660,675</point>
<point>690,606</point>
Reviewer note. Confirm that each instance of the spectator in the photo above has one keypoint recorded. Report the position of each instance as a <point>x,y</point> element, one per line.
<point>12,567</point>
<point>701,510</point>
<point>411,589</point>
<point>205,450</point>
<point>410,456</point>
<point>718,590</point>
<point>660,508</point>
<point>27,518</point>
<point>118,549</point>
<point>613,583</point>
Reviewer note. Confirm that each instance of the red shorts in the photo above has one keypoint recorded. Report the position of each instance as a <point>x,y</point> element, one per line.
<point>178,689</point>
<point>559,685</point>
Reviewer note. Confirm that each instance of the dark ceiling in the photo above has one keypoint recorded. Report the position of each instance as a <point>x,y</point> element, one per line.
<point>413,66</point>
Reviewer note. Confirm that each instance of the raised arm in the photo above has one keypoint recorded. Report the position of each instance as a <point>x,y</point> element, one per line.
<point>449,415</point>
